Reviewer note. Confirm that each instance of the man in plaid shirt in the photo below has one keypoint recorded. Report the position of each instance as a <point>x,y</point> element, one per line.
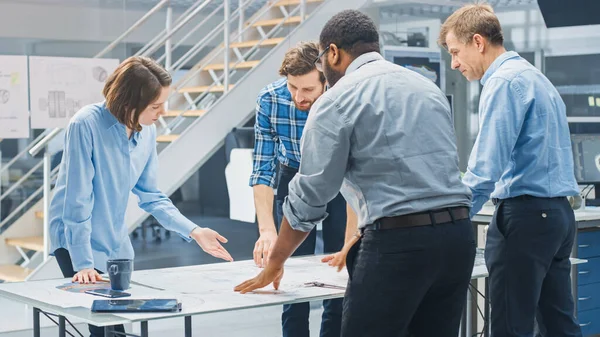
<point>281,112</point>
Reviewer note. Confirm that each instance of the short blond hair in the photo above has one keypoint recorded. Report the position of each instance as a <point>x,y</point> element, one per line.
<point>470,20</point>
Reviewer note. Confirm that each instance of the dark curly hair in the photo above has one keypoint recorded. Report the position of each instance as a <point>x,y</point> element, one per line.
<point>351,31</point>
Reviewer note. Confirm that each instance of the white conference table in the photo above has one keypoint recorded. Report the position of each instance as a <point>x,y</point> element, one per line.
<point>201,290</point>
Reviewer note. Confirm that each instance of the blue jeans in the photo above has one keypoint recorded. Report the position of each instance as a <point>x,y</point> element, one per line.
<point>294,319</point>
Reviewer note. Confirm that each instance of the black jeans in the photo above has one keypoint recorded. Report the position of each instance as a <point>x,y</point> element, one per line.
<point>409,281</point>
<point>294,319</point>
<point>63,258</point>
<point>527,251</point>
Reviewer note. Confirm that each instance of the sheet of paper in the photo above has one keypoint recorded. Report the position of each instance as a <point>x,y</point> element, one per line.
<point>60,86</point>
<point>14,97</point>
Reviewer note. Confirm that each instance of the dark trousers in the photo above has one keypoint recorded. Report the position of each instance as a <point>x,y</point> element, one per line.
<point>409,281</point>
<point>294,319</point>
<point>527,251</point>
<point>63,258</point>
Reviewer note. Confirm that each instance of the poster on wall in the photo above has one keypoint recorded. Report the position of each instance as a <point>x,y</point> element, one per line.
<point>60,86</point>
<point>424,61</point>
<point>14,104</point>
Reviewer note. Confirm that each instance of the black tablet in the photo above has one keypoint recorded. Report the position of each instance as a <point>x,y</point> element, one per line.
<point>150,305</point>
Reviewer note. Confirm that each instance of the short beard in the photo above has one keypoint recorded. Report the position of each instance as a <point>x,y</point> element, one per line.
<point>331,75</point>
<point>302,109</point>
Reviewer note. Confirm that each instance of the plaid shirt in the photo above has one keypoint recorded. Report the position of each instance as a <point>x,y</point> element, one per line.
<point>278,125</point>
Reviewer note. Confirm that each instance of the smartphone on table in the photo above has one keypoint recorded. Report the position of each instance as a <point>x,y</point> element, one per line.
<point>109,293</point>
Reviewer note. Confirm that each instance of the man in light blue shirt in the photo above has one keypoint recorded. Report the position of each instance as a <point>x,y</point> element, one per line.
<point>384,135</point>
<point>522,158</point>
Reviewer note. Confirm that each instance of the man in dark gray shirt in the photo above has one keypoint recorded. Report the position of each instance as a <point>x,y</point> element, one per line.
<point>384,135</point>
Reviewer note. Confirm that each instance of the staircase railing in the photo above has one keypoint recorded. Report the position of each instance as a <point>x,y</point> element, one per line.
<point>164,40</point>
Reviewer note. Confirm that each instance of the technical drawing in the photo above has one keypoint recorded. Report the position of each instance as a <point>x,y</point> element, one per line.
<point>100,74</point>
<point>4,96</point>
<point>58,105</point>
<point>66,74</point>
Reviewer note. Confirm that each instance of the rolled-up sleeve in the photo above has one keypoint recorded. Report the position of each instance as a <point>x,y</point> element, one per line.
<point>502,113</point>
<point>324,157</point>
<point>153,201</point>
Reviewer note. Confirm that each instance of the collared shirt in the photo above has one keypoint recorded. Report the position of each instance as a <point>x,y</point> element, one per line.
<point>523,146</point>
<point>383,134</point>
<point>277,130</point>
<point>100,167</point>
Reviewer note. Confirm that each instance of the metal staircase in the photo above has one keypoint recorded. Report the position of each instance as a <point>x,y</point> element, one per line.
<point>217,94</point>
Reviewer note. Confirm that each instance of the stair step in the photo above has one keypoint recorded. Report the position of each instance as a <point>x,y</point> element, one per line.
<point>32,243</point>
<point>275,22</point>
<point>13,273</point>
<point>201,89</point>
<point>232,65</point>
<point>294,2</point>
<point>166,138</point>
<point>39,214</point>
<point>250,44</point>
<point>188,113</point>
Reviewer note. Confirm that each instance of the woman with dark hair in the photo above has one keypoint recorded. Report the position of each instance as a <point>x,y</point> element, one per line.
<point>110,151</point>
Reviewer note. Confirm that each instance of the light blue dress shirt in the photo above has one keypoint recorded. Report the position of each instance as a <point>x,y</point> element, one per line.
<point>524,145</point>
<point>384,135</point>
<point>100,167</point>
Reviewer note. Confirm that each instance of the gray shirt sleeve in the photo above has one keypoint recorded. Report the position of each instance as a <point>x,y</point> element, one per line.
<point>325,149</point>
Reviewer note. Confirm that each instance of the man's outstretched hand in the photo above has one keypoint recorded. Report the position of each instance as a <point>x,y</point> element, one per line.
<point>271,274</point>
<point>338,260</point>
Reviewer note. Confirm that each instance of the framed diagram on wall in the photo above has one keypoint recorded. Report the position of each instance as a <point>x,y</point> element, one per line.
<point>14,97</point>
<point>60,86</point>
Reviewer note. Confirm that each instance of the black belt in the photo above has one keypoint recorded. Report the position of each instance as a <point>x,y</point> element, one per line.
<point>495,201</point>
<point>438,216</point>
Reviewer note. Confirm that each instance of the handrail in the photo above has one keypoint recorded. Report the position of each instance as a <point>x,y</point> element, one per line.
<point>20,181</point>
<point>25,202</point>
<point>143,50</point>
<point>177,27</point>
<point>203,42</point>
<point>192,31</point>
<point>173,122</point>
<point>138,23</point>
<point>40,145</point>
<point>22,153</point>
<point>177,65</point>
<point>217,29</point>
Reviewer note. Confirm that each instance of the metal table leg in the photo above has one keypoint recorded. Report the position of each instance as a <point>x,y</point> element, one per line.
<point>36,322</point>
<point>469,309</point>
<point>62,329</point>
<point>463,320</point>
<point>486,309</point>
<point>188,326</point>
<point>108,331</point>
<point>144,326</point>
